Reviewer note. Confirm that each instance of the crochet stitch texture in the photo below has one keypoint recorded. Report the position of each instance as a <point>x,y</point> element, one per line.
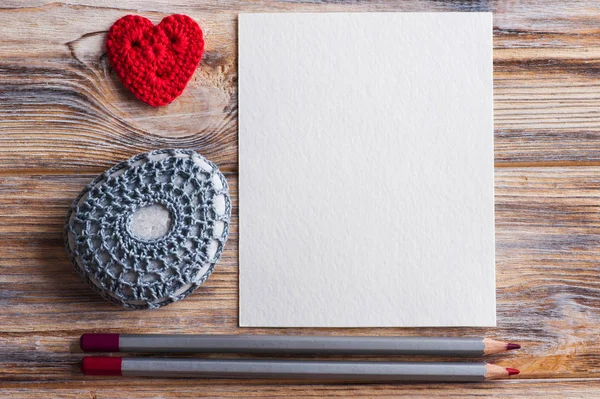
<point>138,273</point>
<point>155,62</point>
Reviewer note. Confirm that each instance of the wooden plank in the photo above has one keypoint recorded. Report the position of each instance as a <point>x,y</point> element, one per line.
<point>62,108</point>
<point>157,388</point>
<point>548,229</point>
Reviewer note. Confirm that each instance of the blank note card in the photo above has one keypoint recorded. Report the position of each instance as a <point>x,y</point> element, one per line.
<point>366,170</point>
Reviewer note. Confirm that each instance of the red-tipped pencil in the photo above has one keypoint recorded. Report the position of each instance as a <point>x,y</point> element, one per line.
<point>287,344</point>
<point>296,369</point>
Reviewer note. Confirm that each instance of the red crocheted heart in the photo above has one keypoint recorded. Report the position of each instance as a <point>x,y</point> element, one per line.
<point>155,62</point>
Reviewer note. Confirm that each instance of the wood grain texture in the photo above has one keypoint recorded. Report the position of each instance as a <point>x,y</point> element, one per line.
<point>580,388</point>
<point>64,117</point>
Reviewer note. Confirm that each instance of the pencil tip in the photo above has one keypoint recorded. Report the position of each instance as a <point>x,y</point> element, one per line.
<point>512,371</point>
<point>510,346</point>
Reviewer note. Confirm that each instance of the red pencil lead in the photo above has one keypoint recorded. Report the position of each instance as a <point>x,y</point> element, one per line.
<point>513,346</point>
<point>512,371</point>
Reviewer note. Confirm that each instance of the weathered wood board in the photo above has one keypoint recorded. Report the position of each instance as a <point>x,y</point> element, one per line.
<point>64,118</point>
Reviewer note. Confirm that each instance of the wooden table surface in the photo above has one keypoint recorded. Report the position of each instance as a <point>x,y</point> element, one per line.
<point>64,118</point>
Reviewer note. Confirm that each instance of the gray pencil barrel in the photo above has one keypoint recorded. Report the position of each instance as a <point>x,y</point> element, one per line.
<point>301,344</point>
<point>325,370</point>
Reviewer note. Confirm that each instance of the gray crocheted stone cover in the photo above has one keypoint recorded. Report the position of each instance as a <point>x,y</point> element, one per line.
<point>144,273</point>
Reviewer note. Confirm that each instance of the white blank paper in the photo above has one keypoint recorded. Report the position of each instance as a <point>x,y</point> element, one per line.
<point>366,170</point>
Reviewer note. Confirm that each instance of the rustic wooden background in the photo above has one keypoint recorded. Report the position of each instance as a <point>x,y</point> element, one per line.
<point>64,118</point>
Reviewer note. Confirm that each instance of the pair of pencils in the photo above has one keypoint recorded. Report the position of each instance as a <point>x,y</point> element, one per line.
<point>326,370</point>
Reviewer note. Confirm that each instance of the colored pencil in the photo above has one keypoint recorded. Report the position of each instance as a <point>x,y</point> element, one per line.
<point>292,369</point>
<point>285,344</point>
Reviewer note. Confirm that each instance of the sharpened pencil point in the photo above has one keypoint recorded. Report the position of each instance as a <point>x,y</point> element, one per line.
<point>512,371</point>
<point>511,346</point>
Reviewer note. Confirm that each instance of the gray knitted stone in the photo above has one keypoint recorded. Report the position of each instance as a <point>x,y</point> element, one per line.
<point>149,231</point>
